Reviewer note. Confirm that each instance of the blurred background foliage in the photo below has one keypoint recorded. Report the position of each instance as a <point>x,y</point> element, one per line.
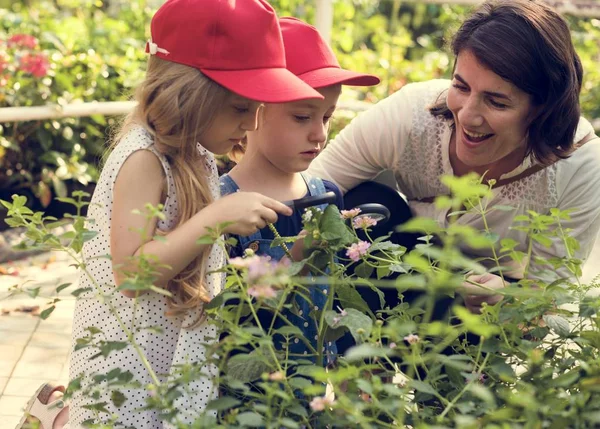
<point>70,51</point>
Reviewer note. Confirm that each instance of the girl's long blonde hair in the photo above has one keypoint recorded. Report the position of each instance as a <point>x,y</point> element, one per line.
<point>177,104</point>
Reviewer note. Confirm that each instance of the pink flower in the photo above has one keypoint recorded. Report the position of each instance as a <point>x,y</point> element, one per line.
<point>363,222</point>
<point>242,262</point>
<point>320,402</point>
<point>23,41</point>
<point>262,291</point>
<point>356,250</point>
<point>412,339</point>
<point>277,376</point>
<point>35,64</point>
<point>393,346</point>
<point>349,214</point>
<point>260,267</point>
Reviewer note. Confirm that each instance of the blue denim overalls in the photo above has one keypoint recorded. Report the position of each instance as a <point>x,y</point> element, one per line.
<point>318,293</point>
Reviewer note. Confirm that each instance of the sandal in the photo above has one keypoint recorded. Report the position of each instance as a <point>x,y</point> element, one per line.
<point>38,407</point>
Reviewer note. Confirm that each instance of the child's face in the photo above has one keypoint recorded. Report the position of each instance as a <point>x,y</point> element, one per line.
<point>291,135</point>
<point>230,125</point>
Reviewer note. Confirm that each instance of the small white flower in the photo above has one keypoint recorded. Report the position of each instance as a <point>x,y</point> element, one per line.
<point>307,216</point>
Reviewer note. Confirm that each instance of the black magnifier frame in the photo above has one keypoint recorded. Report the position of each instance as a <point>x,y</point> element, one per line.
<point>375,211</point>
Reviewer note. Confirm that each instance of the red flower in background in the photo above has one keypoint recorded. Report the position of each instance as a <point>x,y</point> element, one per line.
<point>22,40</point>
<point>35,64</point>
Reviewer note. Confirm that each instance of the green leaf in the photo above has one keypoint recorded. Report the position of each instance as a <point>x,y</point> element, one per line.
<point>558,324</point>
<point>289,330</point>
<point>205,239</point>
<point>363,270</point>
<point>359,324</point>
<point>420,224</point>
<point>334,229</point>
<point>117,398</point>
<point>47,312</point>
<point>80,290</point>
<point>223,403</point>
<point>503,369</point>
<point>299,383</point>
<point>289,423</point>
<point>350,298</point>
<point>108,347</point>
<point>62,287</point>
<point>248,367</point>
<point>33,292</point>
<point>423,387</point>
<point>475,323</point>
<point>417,262</point>
<point>566,380</point>
<point>250,419</point>
<point>297,410</point>
<point>365,351</point>
<point>483,393</point>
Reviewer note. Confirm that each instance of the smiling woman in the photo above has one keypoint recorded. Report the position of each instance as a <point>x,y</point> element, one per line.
<point>511,113</point>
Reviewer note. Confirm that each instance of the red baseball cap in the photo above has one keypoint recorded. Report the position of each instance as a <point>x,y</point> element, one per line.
<point>310,58</point>
<point>236,43</point>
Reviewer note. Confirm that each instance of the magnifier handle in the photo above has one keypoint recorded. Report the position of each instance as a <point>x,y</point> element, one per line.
<point>316,200</point>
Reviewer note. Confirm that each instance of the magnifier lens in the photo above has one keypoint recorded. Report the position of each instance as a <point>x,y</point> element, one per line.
<point>375,216</point>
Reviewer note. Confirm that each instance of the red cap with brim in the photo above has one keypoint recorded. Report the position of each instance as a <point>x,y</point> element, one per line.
<point>273,85</point>
<point>336,76</point>
<point>236,43</point>
<point>310,58</point>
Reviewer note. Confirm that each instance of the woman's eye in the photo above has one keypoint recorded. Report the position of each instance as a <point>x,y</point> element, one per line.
<point>240,109</point>
<point>326,119</point>
<point>498,105</point>
<point>301,118</point>
<point>461,88</point>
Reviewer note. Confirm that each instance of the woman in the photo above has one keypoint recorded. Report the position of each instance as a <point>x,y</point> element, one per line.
<point>511,111</point>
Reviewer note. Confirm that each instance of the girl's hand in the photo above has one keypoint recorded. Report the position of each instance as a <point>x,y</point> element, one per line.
<point>249,212</point>
<point>475,295</point>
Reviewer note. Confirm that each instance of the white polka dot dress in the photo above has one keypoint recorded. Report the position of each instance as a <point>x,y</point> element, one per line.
<point>160,344</point>
<point>190,346</point>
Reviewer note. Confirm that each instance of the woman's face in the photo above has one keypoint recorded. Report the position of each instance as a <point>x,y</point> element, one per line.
<point>491,115</point>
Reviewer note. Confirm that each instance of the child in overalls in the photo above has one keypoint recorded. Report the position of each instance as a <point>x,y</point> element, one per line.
<point>289,136</point>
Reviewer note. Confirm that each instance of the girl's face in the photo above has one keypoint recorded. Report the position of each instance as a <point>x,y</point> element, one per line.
<point>231,124</point>
<point>491,115</point>
<point>291,135</point>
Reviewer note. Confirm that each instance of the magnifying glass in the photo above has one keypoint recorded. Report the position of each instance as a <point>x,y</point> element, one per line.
<point>375,211</point>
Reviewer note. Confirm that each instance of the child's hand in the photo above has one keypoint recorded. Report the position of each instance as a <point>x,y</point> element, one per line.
<point>249,212</point>
<point>297,250</point>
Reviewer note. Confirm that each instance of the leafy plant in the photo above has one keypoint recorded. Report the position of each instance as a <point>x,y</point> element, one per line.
<point>530,361</point>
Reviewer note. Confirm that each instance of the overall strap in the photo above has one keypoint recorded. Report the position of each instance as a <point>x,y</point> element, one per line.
<point>315,187</point>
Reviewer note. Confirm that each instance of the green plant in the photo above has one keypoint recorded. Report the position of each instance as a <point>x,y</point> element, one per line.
<point>529,362</point>
<point>59,56</point>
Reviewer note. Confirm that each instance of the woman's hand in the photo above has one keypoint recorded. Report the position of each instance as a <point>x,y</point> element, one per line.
<point>479,288</point>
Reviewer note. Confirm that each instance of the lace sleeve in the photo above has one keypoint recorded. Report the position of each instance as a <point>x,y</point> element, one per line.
<point>580,192</point>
